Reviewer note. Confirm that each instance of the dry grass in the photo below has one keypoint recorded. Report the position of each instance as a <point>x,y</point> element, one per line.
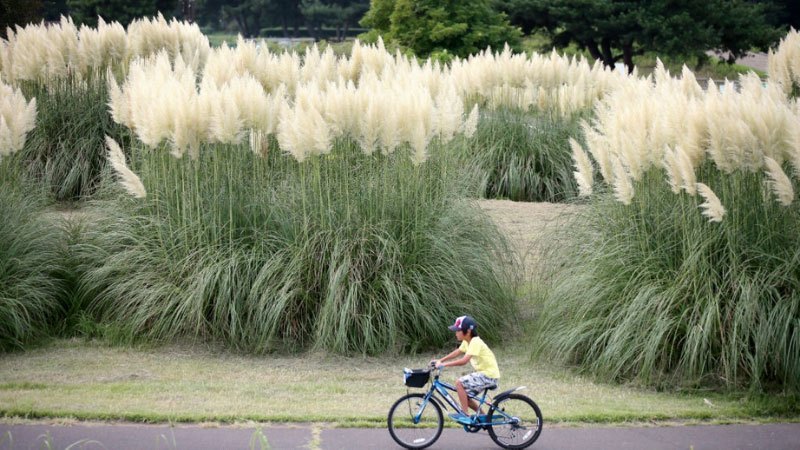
<point>192,383</point>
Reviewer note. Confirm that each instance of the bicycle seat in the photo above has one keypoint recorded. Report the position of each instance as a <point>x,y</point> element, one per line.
<point>491,387</point>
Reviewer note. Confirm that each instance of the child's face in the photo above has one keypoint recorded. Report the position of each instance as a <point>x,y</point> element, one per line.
<point>459,335</point>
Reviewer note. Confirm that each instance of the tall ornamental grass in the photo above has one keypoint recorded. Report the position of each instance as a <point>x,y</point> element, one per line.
<point>65,68</point>
<point>315,215</point>
<point>31,251</point>
<point>346,252</point>
<point>689,278</point>
<point>53,59</point>
<point>784,64</point>
<point>29,256</point>
<point>654,292</point>
<point>524,156</point>
<point>65,151</point>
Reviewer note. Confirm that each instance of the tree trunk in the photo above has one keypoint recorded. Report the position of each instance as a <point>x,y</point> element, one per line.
<point>312,31</point>
<point>188,10</point>
<point>285,27</point>
<point>591,45</point>
<point>608,55</point>
<point>627,55</point>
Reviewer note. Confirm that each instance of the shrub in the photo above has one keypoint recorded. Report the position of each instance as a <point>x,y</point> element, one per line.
<point>30,255</point>
<point>65,151</point>
<point>427,27</point>
<point>347,252</point>
<point>524,156</point>
<point>654,292</point>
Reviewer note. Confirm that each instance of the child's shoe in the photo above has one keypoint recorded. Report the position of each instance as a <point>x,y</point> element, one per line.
<point>461,418</point>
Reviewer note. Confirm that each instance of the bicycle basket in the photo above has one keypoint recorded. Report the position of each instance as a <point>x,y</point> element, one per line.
<point>416,377</point>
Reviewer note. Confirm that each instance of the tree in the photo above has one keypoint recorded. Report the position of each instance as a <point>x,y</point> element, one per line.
<point>122,11</point>
<point>442,27</point>
<point>18,12</point>
<point>54,9</point>
<point>378,17</point>
<point>248,15</point>
<point>783,12</point>
<point>339,14</point>
<point>614,30</point>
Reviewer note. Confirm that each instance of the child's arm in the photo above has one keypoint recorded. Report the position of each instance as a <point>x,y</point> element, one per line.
<point>455,353</point>
<point>457,362</point>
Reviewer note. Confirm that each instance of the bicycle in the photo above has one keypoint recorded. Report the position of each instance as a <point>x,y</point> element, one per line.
<point>514,421</point>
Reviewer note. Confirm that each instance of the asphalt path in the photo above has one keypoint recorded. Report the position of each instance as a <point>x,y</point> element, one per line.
<point>92,436</point>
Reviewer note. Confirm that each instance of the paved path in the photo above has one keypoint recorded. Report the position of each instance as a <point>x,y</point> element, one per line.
<point>311,436</point>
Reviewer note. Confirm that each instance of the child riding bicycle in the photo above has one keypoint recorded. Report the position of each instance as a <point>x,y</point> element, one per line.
<point>475,351</point>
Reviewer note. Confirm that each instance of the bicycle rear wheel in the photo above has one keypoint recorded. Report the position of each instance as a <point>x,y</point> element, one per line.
<point>414,423</point>
<point>524,427</point>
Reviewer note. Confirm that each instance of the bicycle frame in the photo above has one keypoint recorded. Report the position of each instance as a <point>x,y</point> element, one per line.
<point>442,388</point>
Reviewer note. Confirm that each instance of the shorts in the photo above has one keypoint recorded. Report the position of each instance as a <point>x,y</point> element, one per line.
<point>476,382</point>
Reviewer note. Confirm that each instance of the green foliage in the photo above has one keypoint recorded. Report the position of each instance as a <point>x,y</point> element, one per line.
<point>613,30</point>
<point>250,16</point>
<point>53,9</point>
<point>347,252</point>
<point>30,257</point>
<point>66,149</point>
<point>18,12</point>
<point>783,13</point>
<point>122,11</point>
<point>444,28</point>
<point>654,292</point>
<point>339,13</point>
<point>378,17</point>
<point>524,156</point>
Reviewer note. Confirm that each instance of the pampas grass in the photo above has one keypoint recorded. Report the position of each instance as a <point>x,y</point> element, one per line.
<point>655,293</point>
<point>523,156</point>
<point>65,151</point>
<point>652,291</point>
<point>17,119</point>
<point>346,252</point>
<point>129,180</point>
<point>31,257</point>
<point>784,63</point>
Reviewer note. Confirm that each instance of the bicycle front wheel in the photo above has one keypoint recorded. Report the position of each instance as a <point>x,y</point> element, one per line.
<point>414,423</point>
<point>519,421</point>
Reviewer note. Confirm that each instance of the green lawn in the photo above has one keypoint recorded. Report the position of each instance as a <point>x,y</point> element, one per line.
<point>76,379</point>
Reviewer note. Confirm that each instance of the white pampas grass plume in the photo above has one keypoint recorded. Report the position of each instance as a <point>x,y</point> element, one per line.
<point>623,188</point>
<point>684,164</point>
<point>583,174</point>
<point>128,179</point>
<point>712,207</point>
<point>449,113</point>
<point>780,183</point>
<point>118,102</point>
<point>419,143</point>
<point>673,172</point>
<point>17,118</point>
<point>471,124</point>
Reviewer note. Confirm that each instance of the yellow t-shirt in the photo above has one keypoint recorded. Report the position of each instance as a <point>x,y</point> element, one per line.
<point>483,359</point>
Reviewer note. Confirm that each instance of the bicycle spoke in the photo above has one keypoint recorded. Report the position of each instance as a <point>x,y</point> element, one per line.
<point>518,422</point>
<point>415,424</point>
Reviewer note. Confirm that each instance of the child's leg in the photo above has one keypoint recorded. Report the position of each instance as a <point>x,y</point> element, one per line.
<point>474,405</point>
<point>462,397</point>
<point>464,383</point>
